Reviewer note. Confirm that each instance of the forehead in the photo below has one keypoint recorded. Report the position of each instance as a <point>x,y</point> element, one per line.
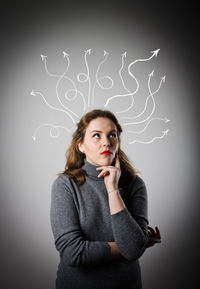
<point>101,124</point>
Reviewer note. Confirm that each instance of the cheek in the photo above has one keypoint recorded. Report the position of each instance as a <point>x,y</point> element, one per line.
<point>91,144</point>
<point>94,141</point>
<point>116,143</point>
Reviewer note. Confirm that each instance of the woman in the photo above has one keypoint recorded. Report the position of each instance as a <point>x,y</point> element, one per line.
<point>99,210</point>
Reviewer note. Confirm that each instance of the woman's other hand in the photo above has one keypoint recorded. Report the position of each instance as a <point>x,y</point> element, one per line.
<point>154,236</point>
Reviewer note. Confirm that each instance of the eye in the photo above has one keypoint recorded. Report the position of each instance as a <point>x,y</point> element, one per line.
<point>113,135</point>
<point>96,135</point>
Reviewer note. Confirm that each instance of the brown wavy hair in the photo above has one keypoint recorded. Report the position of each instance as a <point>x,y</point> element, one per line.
<point>75,158</point>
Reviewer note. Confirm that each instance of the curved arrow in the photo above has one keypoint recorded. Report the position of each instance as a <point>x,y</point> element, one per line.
<point>87,77</point>
<point>63,76</point>
<point>51,106</point>
<point>154,118</point>
<point>154,53</point>
<point>149,97</point>
<point>129,92</point>
<point>100,78</point>
<point>44,59</point>
<point>56,127</point>
<point>148,142</point>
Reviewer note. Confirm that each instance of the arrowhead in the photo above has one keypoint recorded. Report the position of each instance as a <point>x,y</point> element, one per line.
<point>65,54</point>
<point>33,137</point>
<point>124,54</point>
<point>43,57</point>
<point>166,132</point>
<point>151,74</point>
<point>32,93</point>
<point>166,120</point>
<point>88,51</point>
<point>105,53</point>
<point>155,52</point>
<point>163,78</point>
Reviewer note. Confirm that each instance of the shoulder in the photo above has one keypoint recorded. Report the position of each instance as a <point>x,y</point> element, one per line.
<point>137,186</point>
<point>62,185</point>
<point>139,182</point>
<point>60,181</point>
<point>136,182</point>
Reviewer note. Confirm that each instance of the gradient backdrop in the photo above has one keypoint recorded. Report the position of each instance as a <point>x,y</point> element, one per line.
<point>169,166</point>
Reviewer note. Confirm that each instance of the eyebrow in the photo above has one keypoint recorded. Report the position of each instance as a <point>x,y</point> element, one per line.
<point>113,130</point>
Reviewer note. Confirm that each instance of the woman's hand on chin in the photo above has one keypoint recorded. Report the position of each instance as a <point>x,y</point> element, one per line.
<point>111,175</point>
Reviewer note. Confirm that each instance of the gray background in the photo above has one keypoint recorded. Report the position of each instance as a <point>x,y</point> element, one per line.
<point>168,166</point>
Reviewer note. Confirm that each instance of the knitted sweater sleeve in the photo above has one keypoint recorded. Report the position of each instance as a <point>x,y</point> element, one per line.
<point>130,226</point>
<point>69,240</point>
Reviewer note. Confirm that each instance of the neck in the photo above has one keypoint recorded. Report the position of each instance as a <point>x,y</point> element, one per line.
<point>91,170</point>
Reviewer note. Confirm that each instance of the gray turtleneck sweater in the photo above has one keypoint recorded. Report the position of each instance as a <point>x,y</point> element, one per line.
<point>82,227</point>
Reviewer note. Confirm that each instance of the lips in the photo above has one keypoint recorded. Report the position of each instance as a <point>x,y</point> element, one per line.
<point>107,152</point>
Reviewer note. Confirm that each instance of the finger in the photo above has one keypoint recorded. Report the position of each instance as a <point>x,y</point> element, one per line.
<point>100,168</point>
<point>104,167</point>
<point>150,235</point>
<point>117,162</point>
<point>151,230</point>
<point>104,173</point>
<point>157,230</point>
<point>158,233</point>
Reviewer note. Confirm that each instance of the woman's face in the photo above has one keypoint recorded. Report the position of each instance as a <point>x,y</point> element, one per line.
<point>101,142</point>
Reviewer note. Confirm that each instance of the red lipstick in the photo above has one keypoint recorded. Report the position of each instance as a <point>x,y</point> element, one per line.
<point>106,152</point>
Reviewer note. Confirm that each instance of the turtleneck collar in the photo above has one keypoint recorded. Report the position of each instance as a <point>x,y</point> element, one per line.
<point>91,170</point>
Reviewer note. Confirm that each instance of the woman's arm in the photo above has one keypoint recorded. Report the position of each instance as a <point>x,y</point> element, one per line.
<point>116,203</point>
<point>130,225</point>
<point>154,238</point>
<point>111,176</point>
<point>69,240</point>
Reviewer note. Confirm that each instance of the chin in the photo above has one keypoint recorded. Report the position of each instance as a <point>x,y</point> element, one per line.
<point>107,162</point>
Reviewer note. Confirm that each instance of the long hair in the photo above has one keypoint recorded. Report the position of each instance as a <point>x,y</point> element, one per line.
<point>75,158</point>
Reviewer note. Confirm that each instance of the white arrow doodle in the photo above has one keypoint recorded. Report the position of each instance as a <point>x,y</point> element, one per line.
<point>129,92</point>
<point>154,53</point>
<point>100,78</point>
<point>148,142</point>
<point>154,118</point>
<point>44,59</point>
<point>63,76</point>
<point>72,93</point>
<point>120,71</point>
<point>149,97</point>
<point>53,127</point>
<point>81,74</point>
<point>34,93</point>
<point>86,77</point>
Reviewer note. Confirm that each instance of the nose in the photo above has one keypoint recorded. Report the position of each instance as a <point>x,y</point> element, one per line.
<point>106,142</point>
